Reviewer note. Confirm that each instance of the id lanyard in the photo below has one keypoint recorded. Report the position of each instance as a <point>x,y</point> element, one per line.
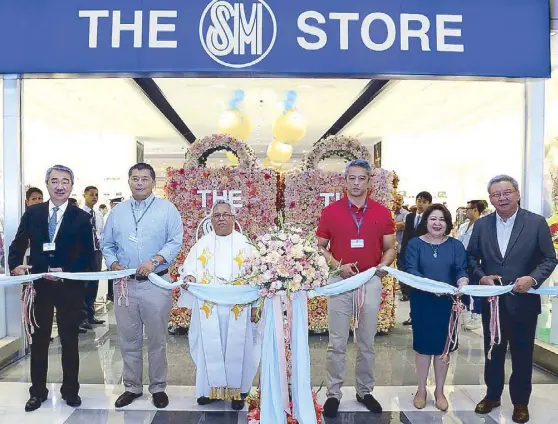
<point>358,222</point>
<point>137,221</point>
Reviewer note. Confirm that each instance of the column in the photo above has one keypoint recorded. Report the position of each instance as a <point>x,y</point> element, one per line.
<point>11,99</point>
<point>533,147</point>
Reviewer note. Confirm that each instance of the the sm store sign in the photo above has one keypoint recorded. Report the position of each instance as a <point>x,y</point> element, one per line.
<point>487,38</point>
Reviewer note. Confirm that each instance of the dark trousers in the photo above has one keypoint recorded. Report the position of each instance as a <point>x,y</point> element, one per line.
<point>477,304</point>
<point>67,298</point>
<point>520,335</point>
<point>91,289</point>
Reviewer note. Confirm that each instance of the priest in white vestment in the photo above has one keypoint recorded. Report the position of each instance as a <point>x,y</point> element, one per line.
<point>225,341</point>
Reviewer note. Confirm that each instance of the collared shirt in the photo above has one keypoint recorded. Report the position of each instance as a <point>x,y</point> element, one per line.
<point>337,224</point>
<point>99,223</point>
<point>59,214</point>
<point>159,232</point>
<point>465,232</point>
<point>400,217</point>
<point>503,231</point>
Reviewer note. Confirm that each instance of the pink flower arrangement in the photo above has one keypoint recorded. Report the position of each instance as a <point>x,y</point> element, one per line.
<point>285,259</point>
<point>258,196</point>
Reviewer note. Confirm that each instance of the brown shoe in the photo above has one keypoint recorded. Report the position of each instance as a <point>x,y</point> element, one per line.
<point>520,414</point>
<point>486,406</point>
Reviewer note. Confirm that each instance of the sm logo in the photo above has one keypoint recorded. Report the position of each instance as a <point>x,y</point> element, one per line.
<point>238,35</point>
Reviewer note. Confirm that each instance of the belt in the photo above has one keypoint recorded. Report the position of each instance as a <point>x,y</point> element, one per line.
<point>142,278</point>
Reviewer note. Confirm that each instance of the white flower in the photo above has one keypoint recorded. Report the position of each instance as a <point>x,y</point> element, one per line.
<point>297,279</point>
<point>297,252</point>
<point>295,238</point>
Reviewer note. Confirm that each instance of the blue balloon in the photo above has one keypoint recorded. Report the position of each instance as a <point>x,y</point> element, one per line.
<point>291,95</point>
<point>233,104</point>
<point>239,95</point>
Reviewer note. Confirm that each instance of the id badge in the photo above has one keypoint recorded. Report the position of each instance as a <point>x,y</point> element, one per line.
<point>133,238</point>
<point>357,243</point>
<point>49,247</point>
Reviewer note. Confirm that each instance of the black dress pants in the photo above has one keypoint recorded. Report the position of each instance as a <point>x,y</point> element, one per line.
<point>67,297</point>
<point>520,336</point>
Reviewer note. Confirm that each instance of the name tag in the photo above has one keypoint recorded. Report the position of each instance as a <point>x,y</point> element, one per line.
<point>357,243</point>
<point>49,247</point>
<point>133,238</point>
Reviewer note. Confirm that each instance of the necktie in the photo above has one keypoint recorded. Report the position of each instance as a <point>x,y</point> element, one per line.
<point>417,221</point>
<point>52,221</point>
<point>94,224</point>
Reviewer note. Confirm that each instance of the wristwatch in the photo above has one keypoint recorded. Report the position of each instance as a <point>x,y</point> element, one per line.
<point>155,262</point>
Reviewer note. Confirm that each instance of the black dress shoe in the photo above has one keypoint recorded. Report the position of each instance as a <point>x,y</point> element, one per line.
<point>237,405</point>
<point>126,398</point>
<point>408,322</point>
<point>86,325</point>
<point>160,400</point>
<point>82,330</point>
<point>96,321</point>
<point>73,401</point>
<point>203,400</point>
<point>331,406</point>
<point>486,406</point>
<point>520,414</point>
<point>34,403</point>
<point>371,404</point>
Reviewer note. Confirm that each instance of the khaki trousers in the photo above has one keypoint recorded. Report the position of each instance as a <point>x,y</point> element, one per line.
<point>340,312</point>
<point>149,308</point>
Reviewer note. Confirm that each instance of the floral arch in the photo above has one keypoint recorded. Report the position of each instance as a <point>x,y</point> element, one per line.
<point>194,188</point>
<point>308,190</point>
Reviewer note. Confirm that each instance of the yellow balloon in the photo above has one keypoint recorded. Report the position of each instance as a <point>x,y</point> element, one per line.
<point>232,158</point>
<point>279,152</point>
<point>235,123</point>
<point>289,127</point>
<point>267,163</point>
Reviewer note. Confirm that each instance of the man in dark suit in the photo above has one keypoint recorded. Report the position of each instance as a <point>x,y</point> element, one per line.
<point>412,221</point>
<point>60,236</point>
<point>511,246</point>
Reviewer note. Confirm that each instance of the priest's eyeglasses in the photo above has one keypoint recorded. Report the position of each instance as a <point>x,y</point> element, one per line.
<point>219,216</point>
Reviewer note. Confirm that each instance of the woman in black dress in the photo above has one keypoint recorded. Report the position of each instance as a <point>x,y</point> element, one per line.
<point>436,256</point>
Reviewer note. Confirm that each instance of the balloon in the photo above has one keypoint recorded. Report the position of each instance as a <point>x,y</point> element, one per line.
<point>270,164</point>
<point>235,123</point>
<point>289,127</point>
<point>232,158</point>
<point>279,152</point>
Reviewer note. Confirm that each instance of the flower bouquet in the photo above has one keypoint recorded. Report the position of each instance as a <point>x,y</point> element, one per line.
<point>284,260</point>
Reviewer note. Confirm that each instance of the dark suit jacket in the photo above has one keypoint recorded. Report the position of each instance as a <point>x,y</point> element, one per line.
<point>530,252</point>
<point>408,233</point>
<point>74,243</point>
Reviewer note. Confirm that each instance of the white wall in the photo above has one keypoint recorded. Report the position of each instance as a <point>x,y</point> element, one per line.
<point>459,162</point>
<point>97,159</point>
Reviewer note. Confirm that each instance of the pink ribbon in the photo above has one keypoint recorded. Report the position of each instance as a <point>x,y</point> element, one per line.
<point>453,327</point>
<point>495,331</point>
<point>358,303</point>
<point>122,287</point>
<point>28,311</point>
<point>280,340</point>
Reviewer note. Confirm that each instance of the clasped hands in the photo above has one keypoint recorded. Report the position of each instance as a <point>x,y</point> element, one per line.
<point>144,269</point>
<point>521,285</point>
<point>350,270</point>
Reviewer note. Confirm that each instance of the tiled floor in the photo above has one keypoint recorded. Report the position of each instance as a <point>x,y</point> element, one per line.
<point>101,374</point>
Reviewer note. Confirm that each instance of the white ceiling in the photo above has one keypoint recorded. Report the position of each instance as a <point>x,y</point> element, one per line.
<point>414,107</point>
<point>108,105</point>
<point>200,103</point>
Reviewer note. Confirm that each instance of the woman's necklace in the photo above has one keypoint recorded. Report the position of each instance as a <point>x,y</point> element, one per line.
<point>435,247</point>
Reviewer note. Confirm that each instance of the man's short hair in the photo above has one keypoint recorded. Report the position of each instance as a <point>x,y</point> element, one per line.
<point>140,167</point>
<point>501,179</point>
<point>103,206</point>
<point>32,190</point>
<point>424,195</point>
<point>360,163</point>
<point>60,168</point>
<point>222,202</point>
<point>479,205</point>
<point>90,188</point>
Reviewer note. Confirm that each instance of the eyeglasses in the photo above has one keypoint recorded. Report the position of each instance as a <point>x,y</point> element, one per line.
<point>506,193</point>
<point>219,216</point>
